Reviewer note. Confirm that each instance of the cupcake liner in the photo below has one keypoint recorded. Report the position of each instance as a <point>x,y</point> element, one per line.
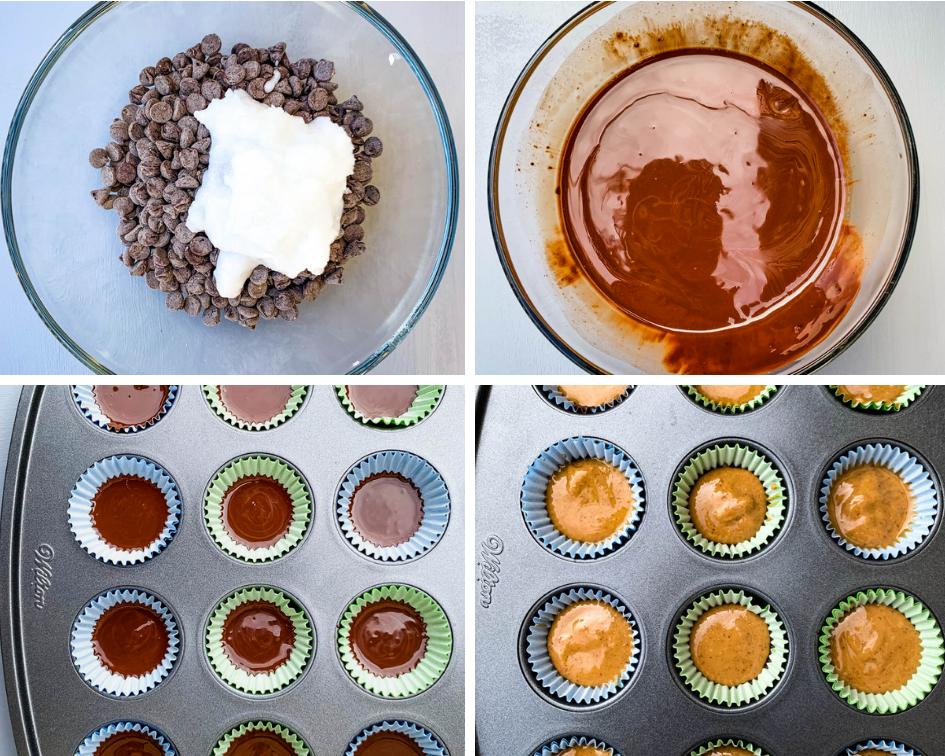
<point>433,492</point>
<point>887,746</point>
<point>212,394</point>
<point>80,508</point>
<point>535,485</point>
<point>746,458</point>
<point>908,395</point>
<point>271,467</point>
<point>728,695</point>
<point>91,744</point>
<point>435,658</point>
<point>766,393</point>
<point>539,660</point>
<point>91,668</point>
<point>557,397</point>
<point>85,399</point>
<point>427,399</point>
<point>295,742</point>
<point>268,682</point>
<point>425,740</point>
<point>913,474</point>
<point>721,742</point>
<point>557,746</point>
<point>930,662</point>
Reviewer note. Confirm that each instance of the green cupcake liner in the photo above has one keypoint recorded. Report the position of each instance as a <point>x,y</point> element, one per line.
<point>294,741</point>
<point>907,396</point>
<point>746,458</point>
<point>270,467</point>
<point>435,658</point>
<point>727,695</point>
<point>930,663</point>
<point>727,742</point>
<point>427,399</point>
<point>268,682</point>
<point>212,393</point>
<point>766,393</point>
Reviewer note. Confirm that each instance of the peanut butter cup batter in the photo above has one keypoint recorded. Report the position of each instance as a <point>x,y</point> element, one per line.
<point>730,396</point>
<point>255,404</point>
<point>386,509</point>
<point>728,505</point>
<point>729,751</point>
<point>589,500</point>
<point>258,637</point>
<point>388,637</point>
<point>875,649</point>
<point>130,639</point>
<point>872,752</point>
<point>129,743</point>
<point>730,644</point>
<point>584,750</point>
<point>260,743</point>
<point>128,406</point>
<point>382,401</point>
<point>129,512</point>
<point>592,396</point>
<point>388,743</point>
<point>590,643</point>
<point>257,511</point>
<point>864,394</point>
<point>870,506</point>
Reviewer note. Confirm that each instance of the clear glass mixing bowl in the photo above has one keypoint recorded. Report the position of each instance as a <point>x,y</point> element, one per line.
<point>65,250</point>
<point>590,49</point>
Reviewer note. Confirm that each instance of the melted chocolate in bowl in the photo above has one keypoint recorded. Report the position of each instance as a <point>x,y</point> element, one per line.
<point>255,404</point>
<point>387,743</point>
<point>128,406</point>
<point>130,639</point>
<point>386,509</point>
<point>260,743</point>
<point>129,512</point>
<point>258,637</point>
<point>129,744</point>
<point>257,511</point>
<point>388,637</point>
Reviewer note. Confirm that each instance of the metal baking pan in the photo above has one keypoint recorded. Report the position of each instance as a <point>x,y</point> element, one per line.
<point>804,573</point>
<point>48,578</point>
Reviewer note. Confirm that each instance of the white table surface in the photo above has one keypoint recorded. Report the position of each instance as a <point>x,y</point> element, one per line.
<point>436,30</point>
<point>907,338</point>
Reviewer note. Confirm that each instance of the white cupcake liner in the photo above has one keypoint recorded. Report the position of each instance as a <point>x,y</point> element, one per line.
<point>84,397</point>
<point>90,666</point>
<point>425,740</point>
<point>913,474</point>
<point>91,744</point>
<point>80,507</point>
<point>887,746</point>
<point>557,746</point>
<point>557,397</point>
<point>433,493</point>
<point>539,659</point>
<point>534,491</point>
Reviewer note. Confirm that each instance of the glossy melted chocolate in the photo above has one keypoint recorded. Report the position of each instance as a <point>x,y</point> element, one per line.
<point>130,639</point>
<point>129,512</point>
<point>387,743</point>
<point>258,637</point>
<point>382,401</point>
<point>388,637</point>
<point>255,404</point>
<point>260,743</point>
<point>128,406</point>
<point>129,744</point>
<point>386,509</point>
<point>257,511</point>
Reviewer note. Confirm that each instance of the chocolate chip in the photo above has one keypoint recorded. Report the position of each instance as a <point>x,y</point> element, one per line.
<point>318,99</point>
<point>371,195</point>
<point>323,70</point>
<point>234,74</point>
<point>211,316</point>
<point>373,147</point>
<point>98,158</point>
<point>195,103</point>
<point>161,112</point>
<point>355,248</point>
<point>210,45</point>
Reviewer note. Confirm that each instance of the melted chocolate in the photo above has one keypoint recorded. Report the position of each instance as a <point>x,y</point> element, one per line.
<point>388,637</point>
<point>257,511</point>
<point>387,743</point>
<point>258,637</point>
<point>255,404</point>
<point>128,406</point>
<point>129,744</point>
<point>129,512</point>
<point>382,401</point>
<point>260,743</point>
<point>386,509</point>
<point>130,639</point>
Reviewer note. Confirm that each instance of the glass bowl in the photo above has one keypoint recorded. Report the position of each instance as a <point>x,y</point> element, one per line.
<point>584,54</point>
<point>65,250</point>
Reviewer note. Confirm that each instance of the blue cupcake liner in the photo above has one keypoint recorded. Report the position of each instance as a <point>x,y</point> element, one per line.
<point>80,507</point>
<point>534,492</point>
<point>84,397</point>
<point>433,493</point>
<point>539,660</point>
<point>556,746</point>
<point>90,666</point>
<point>889,746</point>
<point>91,744</point>
<point>425,740</point>
<point>913,474</point>
<point>557,397</point>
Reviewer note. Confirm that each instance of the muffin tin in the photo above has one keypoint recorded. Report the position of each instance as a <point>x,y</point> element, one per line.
<point>803,572</point>
<point>48,578</point>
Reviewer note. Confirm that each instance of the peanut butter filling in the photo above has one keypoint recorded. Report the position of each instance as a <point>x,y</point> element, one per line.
<point>872,752</point>
<point>589,500</point>
<point>728,505</point>
<point>590,643</point>
<point>870,506</point>
<point>863,394</point>
<point>729,751</point>
<point>584,750</point>
<point>592,396</point>
<point>729,396</point>
<point>730,644</point>
<point>875,649</point>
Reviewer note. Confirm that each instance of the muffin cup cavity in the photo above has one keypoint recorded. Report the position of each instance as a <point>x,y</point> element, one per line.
<point>912,472</point>
<point>426,741</point>
<point>212,394</point>
<point>91,744</point>
<point>425,402</point>
<point>543,669</point>
<point>270,467</point>
<point>561,744</point>
<point>293,740</point>
<point>908,395</point>
<point>91,668</point>
<point>533,496</point>
<point>84,397</point>
<point>726,695</point>
<point>556,398</point>
<point>433,493</point>
<point>746,458</point>
<point>436,656</point>
<point>723,742</point>
<point>766,393</point>
<point>285,674</point>
<point>930,662</point>
<point>886,746</point>
<point>88,485</point>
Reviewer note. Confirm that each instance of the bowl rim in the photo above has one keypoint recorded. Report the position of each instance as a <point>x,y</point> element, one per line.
<point>363,10</point>
<point>498,236</point>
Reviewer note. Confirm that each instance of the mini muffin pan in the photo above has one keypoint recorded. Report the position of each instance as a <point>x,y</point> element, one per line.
<point>48,578</point>
<point>803,573</point>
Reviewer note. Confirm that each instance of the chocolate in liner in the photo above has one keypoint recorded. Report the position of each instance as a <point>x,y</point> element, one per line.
<point>260,743</point>
<point>258,637</point>
<point>257,511</point>
<point>130,639</point>
<point>129,512</point>
<point>388,743</point>
<point>381,401</point>
<point>255,404</point>
<point>130,742</point>
<point>386,509</point>
<point>130,406</point>
<point>388,637</point>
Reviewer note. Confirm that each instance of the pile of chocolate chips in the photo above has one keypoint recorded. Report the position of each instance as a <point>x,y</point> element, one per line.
<point>154,166</point>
